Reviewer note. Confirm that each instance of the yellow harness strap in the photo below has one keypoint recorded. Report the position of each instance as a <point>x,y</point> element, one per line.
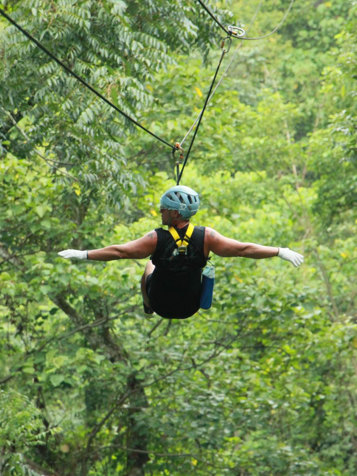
<point>182,243</point>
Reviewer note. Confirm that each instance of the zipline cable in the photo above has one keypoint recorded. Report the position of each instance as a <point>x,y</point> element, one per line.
<point>224,51</point>
<point>277,26</point>
<point>81,80</point>
<point>224,73</point>
<point>213,17</point>
<point>232,30</point>
<point>210,94</point>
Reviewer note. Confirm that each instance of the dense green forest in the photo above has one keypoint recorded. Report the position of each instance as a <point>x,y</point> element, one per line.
<point>263,383</point>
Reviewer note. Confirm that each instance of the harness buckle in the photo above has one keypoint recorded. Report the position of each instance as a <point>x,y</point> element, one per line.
<point>181,243</point>
<point>182,250</point>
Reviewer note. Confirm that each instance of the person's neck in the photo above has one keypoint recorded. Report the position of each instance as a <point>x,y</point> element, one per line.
<point>180,223</point>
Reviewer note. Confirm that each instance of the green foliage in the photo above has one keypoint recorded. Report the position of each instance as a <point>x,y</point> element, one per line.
<point>336,166</point>
<point>117,47</point>
<point>21,428</point>
<point>263,383</point>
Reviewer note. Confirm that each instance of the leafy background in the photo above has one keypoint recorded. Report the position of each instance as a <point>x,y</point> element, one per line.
<point>264,383</point>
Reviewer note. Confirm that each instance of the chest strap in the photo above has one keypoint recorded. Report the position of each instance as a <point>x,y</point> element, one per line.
<point>182,243</point>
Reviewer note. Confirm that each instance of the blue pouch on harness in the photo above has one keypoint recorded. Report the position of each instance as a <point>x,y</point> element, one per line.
<point>207,287</point>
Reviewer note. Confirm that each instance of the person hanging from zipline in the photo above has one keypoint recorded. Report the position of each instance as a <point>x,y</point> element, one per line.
<point>172,283</point>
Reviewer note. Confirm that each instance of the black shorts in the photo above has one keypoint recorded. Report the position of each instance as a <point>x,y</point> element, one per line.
<point>173,300</point>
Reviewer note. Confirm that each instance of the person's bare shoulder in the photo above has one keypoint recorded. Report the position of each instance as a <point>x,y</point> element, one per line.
<point>151,235</point>
<point>210,237</point>
<point>150,239</point>
<point>210,233</point>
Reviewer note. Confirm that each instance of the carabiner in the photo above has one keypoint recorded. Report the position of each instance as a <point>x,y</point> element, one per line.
<point>177,160</point>
<point>225,50</point>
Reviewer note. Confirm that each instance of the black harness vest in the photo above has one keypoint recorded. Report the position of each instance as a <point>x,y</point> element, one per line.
<point>174,288</point>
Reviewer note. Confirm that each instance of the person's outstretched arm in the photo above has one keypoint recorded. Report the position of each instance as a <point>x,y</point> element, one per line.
<point>141,248</point>
<point>227,247</point>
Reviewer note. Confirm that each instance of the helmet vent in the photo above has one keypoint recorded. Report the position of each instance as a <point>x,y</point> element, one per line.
<point>180,197</point>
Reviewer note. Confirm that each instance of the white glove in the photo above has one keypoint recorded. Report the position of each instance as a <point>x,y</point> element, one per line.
<point>78,254</point>
<point>295,258</point>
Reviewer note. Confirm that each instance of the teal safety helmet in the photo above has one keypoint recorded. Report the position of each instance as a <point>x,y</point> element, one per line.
<point>183,199</point>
